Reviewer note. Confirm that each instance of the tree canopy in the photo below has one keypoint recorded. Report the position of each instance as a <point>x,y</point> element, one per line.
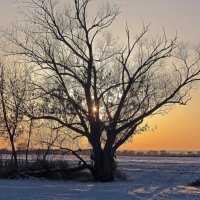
<point>92,84</point>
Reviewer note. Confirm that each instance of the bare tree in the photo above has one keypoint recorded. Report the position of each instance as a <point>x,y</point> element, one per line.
<point>12,94</point>
<point>47,137</point>
<point>92,86</point>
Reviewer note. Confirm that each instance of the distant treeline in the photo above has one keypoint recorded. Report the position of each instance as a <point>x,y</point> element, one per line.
<point>151,153</point>
<point>161,153</point>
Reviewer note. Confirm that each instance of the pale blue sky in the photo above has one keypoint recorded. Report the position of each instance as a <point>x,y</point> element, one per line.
<point>182,16</point>
<point>174,15</point>
<point>7,10</point>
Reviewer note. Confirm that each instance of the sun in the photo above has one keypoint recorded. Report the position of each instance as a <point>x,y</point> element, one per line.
<point>94,109</point>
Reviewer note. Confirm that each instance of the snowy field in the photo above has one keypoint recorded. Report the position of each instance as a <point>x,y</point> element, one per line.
<point>147,179</point>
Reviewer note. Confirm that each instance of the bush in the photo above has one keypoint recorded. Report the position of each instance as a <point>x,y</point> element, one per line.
<point>119,175</point>
<point>53,170</point>
<point>196,183</point>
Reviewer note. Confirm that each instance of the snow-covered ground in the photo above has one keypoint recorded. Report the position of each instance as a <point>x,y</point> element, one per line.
<point>147,179</point>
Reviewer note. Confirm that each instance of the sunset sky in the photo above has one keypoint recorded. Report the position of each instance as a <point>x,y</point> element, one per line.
<point>180,129</point>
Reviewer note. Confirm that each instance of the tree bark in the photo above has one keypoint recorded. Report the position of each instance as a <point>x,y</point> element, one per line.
<point>29,139</point>
<point>104,167</point>
<point>14,153</point>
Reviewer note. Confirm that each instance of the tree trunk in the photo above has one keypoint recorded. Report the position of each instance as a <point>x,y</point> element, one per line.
<point>29,139</point>
<point>103,168</point>
<point>14,153</point>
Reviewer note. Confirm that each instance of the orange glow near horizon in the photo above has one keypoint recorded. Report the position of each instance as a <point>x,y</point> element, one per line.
<point>178,130</point>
